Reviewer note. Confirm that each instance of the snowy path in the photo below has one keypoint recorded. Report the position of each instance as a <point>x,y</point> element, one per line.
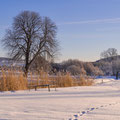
<point>101,102</point>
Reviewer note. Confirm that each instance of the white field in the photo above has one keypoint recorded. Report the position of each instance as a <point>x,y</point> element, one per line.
<point>98,102</point>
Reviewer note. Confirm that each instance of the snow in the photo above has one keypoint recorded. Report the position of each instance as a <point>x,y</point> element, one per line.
<point>98,102</point>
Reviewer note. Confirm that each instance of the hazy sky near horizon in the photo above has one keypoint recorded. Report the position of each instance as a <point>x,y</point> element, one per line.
<point>85,27</point>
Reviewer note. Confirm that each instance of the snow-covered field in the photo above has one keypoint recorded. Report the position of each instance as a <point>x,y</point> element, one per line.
<point>98,102</point>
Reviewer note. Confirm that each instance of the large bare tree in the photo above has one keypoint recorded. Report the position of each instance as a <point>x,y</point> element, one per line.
<point>31,35</point>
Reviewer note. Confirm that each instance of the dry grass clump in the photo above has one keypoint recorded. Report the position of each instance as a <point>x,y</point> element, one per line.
<point>40,78</point>
<point>84,81</point>
<point>62,80</point>
<point>66,80</point>
<point>59,80</point>
<point>10,81</point>
<point>43,78</point>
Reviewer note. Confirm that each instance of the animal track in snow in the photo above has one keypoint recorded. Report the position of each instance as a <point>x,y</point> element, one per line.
<point>77,116</point>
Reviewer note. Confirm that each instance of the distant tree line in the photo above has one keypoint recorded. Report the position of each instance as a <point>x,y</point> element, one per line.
<point>76,67</point>
<point>109,64</point>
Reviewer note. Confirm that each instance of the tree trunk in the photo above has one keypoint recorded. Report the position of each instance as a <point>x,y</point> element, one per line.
<point>26,70</point>
<point>27,63</point>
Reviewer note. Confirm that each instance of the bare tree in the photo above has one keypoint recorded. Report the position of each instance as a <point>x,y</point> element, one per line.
<point>111,52</point>
<point>30,36</point>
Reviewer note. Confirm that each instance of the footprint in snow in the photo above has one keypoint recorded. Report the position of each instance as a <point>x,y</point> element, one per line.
<point>76,116</point>
<point>83,112</point>
<point>92,109</point>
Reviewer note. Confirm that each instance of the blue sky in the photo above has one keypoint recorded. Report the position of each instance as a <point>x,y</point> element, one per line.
<point>85,27</point>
